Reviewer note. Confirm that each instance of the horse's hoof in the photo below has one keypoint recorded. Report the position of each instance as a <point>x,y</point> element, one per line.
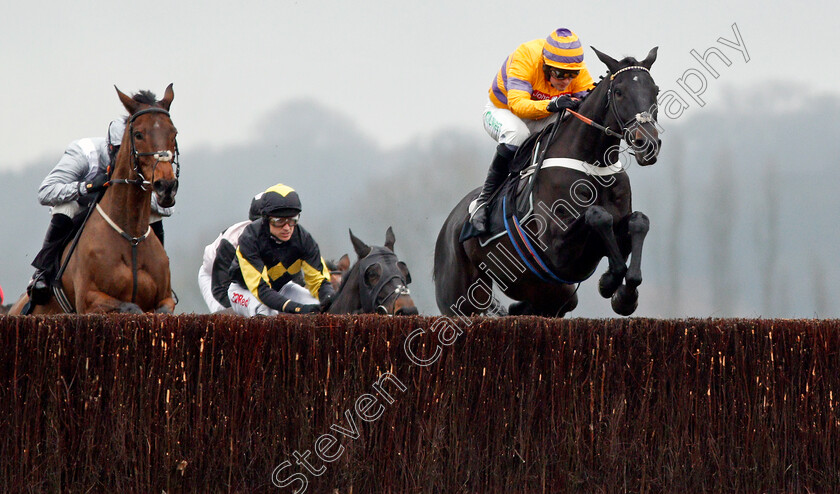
<point>500,310</point>
<point>129,308</point>
<point>608,284</point>
<point>519,309</point>
<point>569,305</point>
<point>625,301</point>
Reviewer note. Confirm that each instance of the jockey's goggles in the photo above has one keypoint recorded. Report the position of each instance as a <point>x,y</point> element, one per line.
<point>562,73</point>
<point>281,222</point>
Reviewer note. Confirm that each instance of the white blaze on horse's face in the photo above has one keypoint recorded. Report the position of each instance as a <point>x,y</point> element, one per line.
<point>154,140</point>
<point>635,105</point>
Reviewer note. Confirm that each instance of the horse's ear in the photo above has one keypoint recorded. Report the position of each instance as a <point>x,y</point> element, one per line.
<point>127,102</point>
<point>362,249</point>
<point>390,239</point>
<point>168,95</point>
<point>404,270</point>
<point>610,62</point>
<point>651,57</point>
<point>343,263</point>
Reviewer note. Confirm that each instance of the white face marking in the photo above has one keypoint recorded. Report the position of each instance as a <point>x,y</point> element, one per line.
<point>635,78</point>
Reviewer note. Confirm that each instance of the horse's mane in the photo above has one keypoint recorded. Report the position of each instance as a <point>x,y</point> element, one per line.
<point>351,271</point>
<point>624,62</point>
<point>628,61</point>
<point>146,97</point>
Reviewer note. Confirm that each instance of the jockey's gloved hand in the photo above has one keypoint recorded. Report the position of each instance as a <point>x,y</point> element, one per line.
<point>326,301</point>
<point>560,102</point>
<point>97,183</point>
<point>292,307</point>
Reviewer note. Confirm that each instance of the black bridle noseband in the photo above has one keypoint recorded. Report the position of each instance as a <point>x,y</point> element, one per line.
<point>640,118</point>
<point>373,301</point>
<point>160,155</point>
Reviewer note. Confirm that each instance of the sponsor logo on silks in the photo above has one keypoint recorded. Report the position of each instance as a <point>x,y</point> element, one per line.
<point>539,95</point>
<point>492,122</point>
<point>239,299</point>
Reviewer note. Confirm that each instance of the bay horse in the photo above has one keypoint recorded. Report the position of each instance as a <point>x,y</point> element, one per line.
<point>580,212</point>
<point>119,265</point>
<point>377,283</point>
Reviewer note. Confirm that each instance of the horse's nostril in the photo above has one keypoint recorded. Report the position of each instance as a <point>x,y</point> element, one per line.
<point>407,311</point>
<point>165,187</point>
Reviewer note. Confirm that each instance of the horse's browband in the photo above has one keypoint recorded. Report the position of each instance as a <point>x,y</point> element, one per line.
<point>147,110</point>
<point>639,67</point>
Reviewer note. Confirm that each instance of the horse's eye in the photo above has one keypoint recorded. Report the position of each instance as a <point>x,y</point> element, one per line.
<point>618,93</point>
<point>138,136</point>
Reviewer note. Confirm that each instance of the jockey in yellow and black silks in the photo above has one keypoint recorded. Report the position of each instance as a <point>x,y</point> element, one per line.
<point>272,250</point>
<point>539,78</point>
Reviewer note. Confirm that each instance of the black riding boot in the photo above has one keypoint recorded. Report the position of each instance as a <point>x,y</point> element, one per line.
<point>61,227</point>
<point>499,169</point>
<point>157,227</point>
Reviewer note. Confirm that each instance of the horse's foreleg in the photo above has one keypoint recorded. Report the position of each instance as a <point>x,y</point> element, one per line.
<point>637,226</point>
<point>99,302</point>
<point>167,306</point>
<point>600,221</point>
<point>626,298</point>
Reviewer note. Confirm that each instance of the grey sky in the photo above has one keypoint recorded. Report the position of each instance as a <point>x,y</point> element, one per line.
<point>400,70</point>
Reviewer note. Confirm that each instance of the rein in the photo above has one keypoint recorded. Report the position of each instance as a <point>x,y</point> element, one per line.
<point>134,241</point>
<point>58,287</point>
<point>588,121</point>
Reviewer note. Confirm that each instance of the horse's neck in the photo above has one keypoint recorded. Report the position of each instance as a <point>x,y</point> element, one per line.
<point>347,299</point>
<point>580,141</point>
<point>128,205</point>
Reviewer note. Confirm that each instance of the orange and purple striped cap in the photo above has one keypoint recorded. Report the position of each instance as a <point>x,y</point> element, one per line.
<point>563,50</point>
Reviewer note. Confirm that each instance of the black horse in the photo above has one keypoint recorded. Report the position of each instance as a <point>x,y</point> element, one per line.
<point>376,283</point>
<point>580,211</point>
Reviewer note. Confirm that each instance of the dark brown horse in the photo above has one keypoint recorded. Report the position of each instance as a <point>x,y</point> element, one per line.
<point>119,265</point>
<point>377,283</point>
<point>579,213</point>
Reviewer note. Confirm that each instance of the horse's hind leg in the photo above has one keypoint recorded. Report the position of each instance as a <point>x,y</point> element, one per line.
<point>626,298</point>
<point>550,301</point>
<point>601,221</point>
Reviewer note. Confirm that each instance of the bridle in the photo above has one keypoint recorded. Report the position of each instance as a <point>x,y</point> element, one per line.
<point>372,300</point>
<point>640,118</point>
<point>159,156</point>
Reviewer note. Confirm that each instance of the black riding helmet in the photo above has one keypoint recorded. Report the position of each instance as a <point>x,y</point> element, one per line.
<point>280,201</point>
<point>256,207</point>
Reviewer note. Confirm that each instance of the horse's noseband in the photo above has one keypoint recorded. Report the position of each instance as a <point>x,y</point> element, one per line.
<point>399,291</point>
<point>374,300</point>
<point>640,118</point>
<point>160,156</point>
